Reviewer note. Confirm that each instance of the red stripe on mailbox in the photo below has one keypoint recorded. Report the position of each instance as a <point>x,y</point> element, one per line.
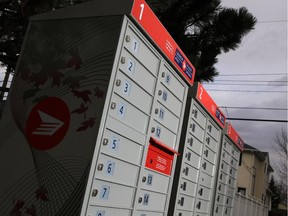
<point>145,17</point>
<point>234,136</point>
<point>204,98</point>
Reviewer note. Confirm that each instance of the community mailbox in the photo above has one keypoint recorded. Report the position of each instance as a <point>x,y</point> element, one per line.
<point>232,146</point>
<point>196,169</point>
<point>93,116</point>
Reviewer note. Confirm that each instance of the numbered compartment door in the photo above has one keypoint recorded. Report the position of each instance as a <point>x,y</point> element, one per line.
<point>190,173</point>
<point>170,79</point>
<point>218,210</point>
<point>169,100</point>
<point>137,72</point>
<point>187,187</point>
<point>140,49</point>
<point>202,206</point>
<point>154,181</point>
<point>117,146</point>
<point>194,144</point>
<point>209,155</point>
<point>213,130</point>
<point>225,156</point>
<point>133,93</point>
<point>205,180</point>
<point>235,152</point>
<point>110,194</point>
<point>127,113</point>
<point>143,213</point>
<point>207,167</point>
<point>166,117</point>
<point>151,201</point>
<point>114,170</point>
<point>219,199</point>
<point>211,143</point>
<point>221,188</point>
<point>191,158</point>
<point>185,202</point>
<point>198,115</point>
<point>184,213</point>
<point>224,167</point>
<point>204,193</point>
<point>163,134</point>
<point>103,211</point>
<point>196,130</point>
<point>223,177</point>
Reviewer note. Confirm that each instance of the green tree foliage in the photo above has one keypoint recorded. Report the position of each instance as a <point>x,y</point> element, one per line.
<point>276,190</point>
<point>203,29</point>
<point>280,148</point>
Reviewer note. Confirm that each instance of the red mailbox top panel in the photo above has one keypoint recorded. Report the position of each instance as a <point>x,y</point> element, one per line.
<point>145,17</point>
<point>204,98</point>
<point>234,136</point>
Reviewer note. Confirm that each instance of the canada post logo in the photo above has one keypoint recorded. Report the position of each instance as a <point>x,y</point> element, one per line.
<point>48,123</point>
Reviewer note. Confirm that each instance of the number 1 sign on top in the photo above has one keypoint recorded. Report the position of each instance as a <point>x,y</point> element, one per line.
<point>145,17</point>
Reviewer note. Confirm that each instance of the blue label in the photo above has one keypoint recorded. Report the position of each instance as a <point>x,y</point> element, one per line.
<point>183,64</point>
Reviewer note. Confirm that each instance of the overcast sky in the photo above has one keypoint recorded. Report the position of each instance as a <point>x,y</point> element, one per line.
<point>263,52</point>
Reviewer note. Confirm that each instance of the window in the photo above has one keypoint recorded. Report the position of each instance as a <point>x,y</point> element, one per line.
<point>242,191</point>
<point>240,159</point>
<point>265,167</point>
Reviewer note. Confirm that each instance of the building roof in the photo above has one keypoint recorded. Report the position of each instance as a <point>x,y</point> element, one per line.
<point>261,155</point>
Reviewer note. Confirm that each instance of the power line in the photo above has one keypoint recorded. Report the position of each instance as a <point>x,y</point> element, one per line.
<point>261,120</point>
<point>245,84</point>
<point>246,91</point>
<point>284,81</point>
<point>261,108</point>
<point>272,21</point>
<point>253,74</point>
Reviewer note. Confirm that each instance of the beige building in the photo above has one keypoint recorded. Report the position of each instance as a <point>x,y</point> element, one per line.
<point>254,174</point>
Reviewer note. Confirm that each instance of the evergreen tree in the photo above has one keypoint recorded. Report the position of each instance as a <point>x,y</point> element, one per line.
<point>203,29</point>
<point>273,186</point>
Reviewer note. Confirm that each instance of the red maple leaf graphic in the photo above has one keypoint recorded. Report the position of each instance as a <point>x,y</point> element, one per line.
<point>16,211</point>
<point>56,77</point>
<point>31,211</point>
<point>73,82</point>
<point>86,124</point>
<point>38,79</point>
<point>81,109</point>
<point>41,193</point>
<point>84,95</point>
<point>75,60</point>
<point>99,93</point>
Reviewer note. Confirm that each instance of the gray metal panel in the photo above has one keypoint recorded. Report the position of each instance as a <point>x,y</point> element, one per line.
<point>151,201</point>
<point>185,203</point>
<point>151,180</point>
<point>139,48</point>
<point>187,187</point>
<point>137,72</point>
<point>104,211</point>
<point>89,9</point>
<point>109,194</point>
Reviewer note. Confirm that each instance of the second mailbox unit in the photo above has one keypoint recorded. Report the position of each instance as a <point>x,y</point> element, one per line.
<point>196,169</point>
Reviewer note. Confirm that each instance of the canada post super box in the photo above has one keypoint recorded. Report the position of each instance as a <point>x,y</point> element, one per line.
<point>94,113</point>
<point>196,170</point>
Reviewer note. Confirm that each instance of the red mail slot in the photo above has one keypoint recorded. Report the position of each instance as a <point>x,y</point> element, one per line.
<point>160,157</point>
